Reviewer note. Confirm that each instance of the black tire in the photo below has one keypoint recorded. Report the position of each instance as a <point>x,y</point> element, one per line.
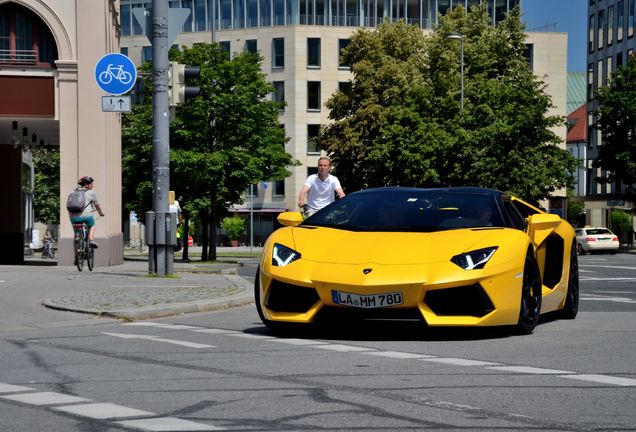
<point>571,307</point>
<point>90,257</point>
<point>580,249</point>
<point>530,305</point>
<point>79,255</point>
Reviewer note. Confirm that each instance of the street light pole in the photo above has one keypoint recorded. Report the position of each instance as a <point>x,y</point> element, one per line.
<point>455,35</point>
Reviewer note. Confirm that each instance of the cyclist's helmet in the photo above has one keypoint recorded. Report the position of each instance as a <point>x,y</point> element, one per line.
<point>85,180</point>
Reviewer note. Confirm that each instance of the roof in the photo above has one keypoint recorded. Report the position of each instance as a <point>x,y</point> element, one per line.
<point>578,120</point>
<point>577,90</point>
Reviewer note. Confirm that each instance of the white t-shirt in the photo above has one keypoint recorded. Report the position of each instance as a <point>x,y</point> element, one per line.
<point>321,193</point>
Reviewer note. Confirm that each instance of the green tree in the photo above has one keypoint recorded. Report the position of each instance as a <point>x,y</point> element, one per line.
<point>617,122</point>
<point>222,141</point>
<point>46,187</point>
<point>401,124</point>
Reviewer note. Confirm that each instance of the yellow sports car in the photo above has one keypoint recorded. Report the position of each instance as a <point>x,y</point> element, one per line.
<point>461,256</point>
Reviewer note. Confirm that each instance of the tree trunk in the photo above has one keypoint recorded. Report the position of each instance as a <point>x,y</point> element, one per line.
<point>213,224</point>
<point>204,236</point>
<point>184,239</point>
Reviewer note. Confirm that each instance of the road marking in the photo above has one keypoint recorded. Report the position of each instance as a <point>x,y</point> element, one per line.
<point>166,326</point>
<point>172,424</point>
<point>613,299</point>
<point>250,336</point>
<point>617,279</point>
<point>531,370</point>
<point>300,342</point>
<point>103,411</point>
<point>608,266</point>
<point>158,339</point>
<point>215,331</point>
<point>10,388</point>
<point>44,398</point>
<point>343,348</point>
<point>397,354</point>
<point>603,379</point>
<point>459,361</point>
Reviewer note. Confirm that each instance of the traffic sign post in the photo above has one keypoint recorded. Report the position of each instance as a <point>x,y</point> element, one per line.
<point>115,74</point>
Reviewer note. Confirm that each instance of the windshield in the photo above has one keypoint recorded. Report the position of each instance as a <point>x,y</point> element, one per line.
<point>409,210</point>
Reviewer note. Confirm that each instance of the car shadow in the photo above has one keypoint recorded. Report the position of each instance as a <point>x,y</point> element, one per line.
<point>379,330</point>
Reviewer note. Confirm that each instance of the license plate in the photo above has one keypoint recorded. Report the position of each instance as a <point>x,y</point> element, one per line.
<point>367,301</point>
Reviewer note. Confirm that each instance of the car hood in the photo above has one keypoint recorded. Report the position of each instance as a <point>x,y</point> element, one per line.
<point>328,245</point>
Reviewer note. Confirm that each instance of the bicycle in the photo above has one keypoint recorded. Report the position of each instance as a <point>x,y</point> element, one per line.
<point>116,72</point>
<point>47,250</point>
<point>83,249</point>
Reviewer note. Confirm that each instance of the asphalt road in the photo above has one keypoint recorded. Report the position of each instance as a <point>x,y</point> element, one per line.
<point>224,370</point>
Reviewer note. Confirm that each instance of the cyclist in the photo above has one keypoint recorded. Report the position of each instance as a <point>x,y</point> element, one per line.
<point>90,205</point>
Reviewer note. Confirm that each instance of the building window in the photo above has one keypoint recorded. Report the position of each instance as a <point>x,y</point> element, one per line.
<point>345,86</point>
<point>313,137</point>
<point>124,50</point>
<point>600,29</point>
<point>610,25</point>
<point>620,21</point>
<point>529,55</point>
<point>251,46</point>
<point>590,81</point>
<point>146,54</point>
<point>619,60</point>
<point>252,191</point>
<point>279,188</point>
<point>342,44</point>
<point>608,67</point>
<point>313,95</point>
<point>278,53</point>
<point>225,46</point>
<point>279,94</point>
<point>590,36</point>
<point>630,18</point>
<point>312,170</point>
<point>313,52</point>
<point>25,39</point>
<point>599,74</point>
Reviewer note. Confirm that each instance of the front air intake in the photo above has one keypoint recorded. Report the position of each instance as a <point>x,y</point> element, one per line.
<point>469,300</point>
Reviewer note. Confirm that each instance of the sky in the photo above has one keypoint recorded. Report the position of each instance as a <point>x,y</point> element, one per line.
<point>562,16</point>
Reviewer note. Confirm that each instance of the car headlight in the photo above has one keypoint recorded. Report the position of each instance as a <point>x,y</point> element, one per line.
<point>474,260</point>
<point>282,255</point>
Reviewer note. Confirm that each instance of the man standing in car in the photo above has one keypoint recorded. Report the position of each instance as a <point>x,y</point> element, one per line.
<point>319,189</point>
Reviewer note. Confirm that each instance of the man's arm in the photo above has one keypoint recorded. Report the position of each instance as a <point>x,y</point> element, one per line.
<point>99,209</point>
<point>340,193</point>
<point>302,198</point>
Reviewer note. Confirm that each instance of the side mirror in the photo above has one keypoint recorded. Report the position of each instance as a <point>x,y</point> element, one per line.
<point>290,218</point>
<point>541,225</point>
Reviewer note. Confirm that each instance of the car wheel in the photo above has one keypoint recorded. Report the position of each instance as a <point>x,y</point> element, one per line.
<point>571,307</point>
<point>580,249</point>
<point>530,308</point>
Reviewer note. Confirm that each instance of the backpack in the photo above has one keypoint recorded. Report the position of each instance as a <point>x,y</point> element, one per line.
<point>76,201</point>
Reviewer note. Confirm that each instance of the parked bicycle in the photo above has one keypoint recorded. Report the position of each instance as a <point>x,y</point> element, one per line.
<point>48,251</point>
<point>83,249</point>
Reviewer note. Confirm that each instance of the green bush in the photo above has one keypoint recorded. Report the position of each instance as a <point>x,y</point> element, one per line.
<point>233,226</point>
<point>621,224</point>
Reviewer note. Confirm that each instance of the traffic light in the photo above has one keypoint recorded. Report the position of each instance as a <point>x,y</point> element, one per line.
<point>177,77</point>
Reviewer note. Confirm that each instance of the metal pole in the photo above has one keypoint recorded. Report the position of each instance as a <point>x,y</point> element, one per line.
<point>160,254</point>
<point>213,19</point>
<point>251,220</point>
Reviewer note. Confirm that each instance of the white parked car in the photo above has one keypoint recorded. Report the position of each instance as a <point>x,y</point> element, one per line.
<point>596,239</point>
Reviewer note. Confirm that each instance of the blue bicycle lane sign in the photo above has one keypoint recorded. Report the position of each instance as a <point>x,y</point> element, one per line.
<point>115,74</point>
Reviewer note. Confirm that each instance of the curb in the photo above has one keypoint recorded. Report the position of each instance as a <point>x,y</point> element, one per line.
<point>243,297</point>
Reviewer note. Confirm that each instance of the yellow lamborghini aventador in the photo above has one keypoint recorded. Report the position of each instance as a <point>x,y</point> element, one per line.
<point>450,257</point>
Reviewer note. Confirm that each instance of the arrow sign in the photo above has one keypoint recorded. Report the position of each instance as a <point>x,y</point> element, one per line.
<point>116,103</point>
<point>158,339</point>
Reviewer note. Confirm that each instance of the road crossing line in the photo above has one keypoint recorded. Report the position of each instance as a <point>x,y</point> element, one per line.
<point>158,339</point>
<point>84,407</point>
<point>344,348</point>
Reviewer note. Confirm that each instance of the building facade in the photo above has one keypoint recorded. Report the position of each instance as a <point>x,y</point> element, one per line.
<point>611,40</point>
<point>301,41</point>
<point>51,102</point>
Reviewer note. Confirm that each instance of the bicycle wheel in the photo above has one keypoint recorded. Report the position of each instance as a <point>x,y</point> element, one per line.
<point>90,256</point>
<point>79,252</point>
